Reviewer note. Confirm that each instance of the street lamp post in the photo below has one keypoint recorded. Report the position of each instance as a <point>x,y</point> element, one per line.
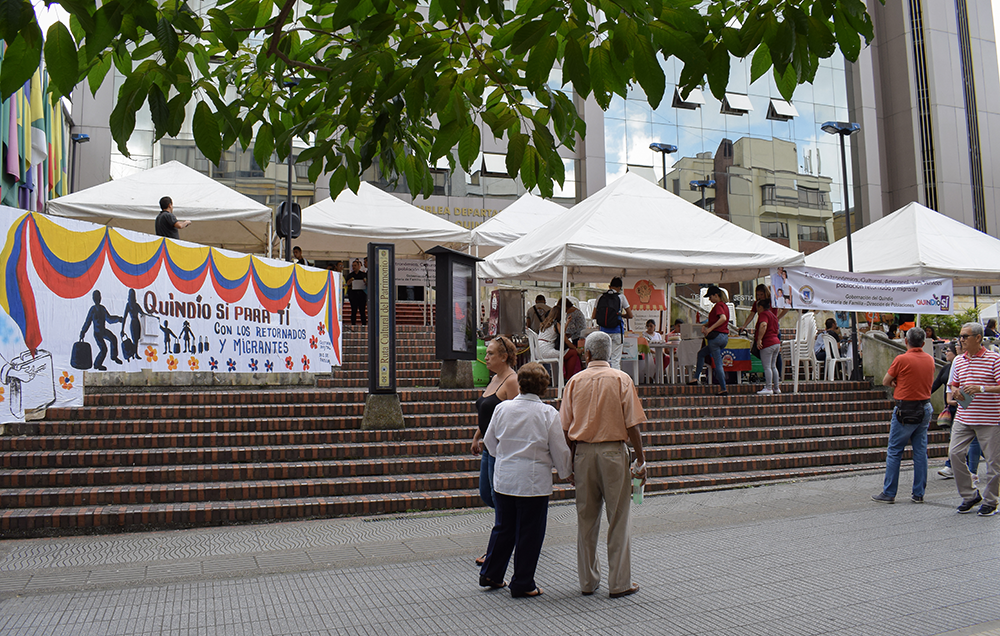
<point>289,83</point>
<point>846,129</point>
<point>701,185</point>
<point>664,150</point>
<point>77,138</point>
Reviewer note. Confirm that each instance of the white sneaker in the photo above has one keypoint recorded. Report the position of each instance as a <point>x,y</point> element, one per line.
<point>765,391</point>
<point>946,472</point>
<point>776,390</point>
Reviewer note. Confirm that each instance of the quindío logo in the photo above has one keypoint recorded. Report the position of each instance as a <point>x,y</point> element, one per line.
<point>943,303</point>
<point>806,294</point>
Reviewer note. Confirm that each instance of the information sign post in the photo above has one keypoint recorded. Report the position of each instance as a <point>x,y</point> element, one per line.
<point>382,407</point>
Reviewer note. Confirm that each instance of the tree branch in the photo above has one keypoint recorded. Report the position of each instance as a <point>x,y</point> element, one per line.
<point>279,22</point>
<point>294,63</point>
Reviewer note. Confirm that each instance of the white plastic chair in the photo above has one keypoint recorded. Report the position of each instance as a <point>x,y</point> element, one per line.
<point>533,351</point>
<point>804,351</point>
<point>834,359</point>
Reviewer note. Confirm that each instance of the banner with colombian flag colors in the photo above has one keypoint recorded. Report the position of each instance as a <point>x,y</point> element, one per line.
<point>82,297</point>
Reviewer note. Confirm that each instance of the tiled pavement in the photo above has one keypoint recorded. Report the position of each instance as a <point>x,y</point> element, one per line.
<point>809,557</point>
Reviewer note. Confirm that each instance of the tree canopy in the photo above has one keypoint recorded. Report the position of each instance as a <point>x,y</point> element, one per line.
<point>402,83</point>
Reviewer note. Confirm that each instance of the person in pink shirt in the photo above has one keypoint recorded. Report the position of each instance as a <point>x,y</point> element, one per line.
<point>767,341</point>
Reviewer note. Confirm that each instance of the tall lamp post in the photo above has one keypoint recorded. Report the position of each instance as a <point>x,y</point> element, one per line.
<point>664,150</point>
<point>846,129</point>
<point>701,185</point>
<point>77,138</point>
<point>289,83</point>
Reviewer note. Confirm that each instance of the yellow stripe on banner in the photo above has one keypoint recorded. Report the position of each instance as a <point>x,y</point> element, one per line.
<point>231,268</point>
<point>311,281</point>
<point>5,255</point>
<point>187,258</point>
<point>71,246</point>
<point>133,252</point>
<point>270,275</point>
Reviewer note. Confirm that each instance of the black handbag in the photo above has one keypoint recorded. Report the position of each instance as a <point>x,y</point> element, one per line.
<point>910,411</point>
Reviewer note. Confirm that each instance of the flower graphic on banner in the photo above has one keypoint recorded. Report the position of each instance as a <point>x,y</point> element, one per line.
<point>172,363</point>
<point>213,364</point>
<point>313,342</point>
<point>65,381</point>
<point>253,364</point>
<point>321,328</point>
<point>1,394</point>
<point>289,363</point>
<point>305,363</point>
<point>231,364</point>
<point>151,354</point>
<point>268,366</point>
<point>193,363</point>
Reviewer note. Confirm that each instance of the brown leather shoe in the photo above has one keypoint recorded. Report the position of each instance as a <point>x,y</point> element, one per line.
<point>631,590</point>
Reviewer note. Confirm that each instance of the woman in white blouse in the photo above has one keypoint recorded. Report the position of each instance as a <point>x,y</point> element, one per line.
<point>526,438</point>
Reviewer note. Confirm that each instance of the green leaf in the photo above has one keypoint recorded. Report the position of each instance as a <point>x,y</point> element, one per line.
<point>761,63</point>
<point>159,110</point>
<point>718,71</point>
<point>14,16</point>
<point>786,82</point>
<point>338,179</point>
<point>222,27</point>
<point>540,61</point>
<point>97,73</point>
<point>168,40</point>
<point>61,58</point>
<point>575,68</point>
<point>107,23</point>
<point>601,75</point>
<point>468,146</point>
<point>177,114</point>
<point>207,135</point>
<point>20,60</point>
<point>847,36</point>
<point>529,35</point>
<point>821,39</point>
<point>131,96</point>
<point>263,145</point>
<point>529,168</point>
<point>516,145</point>
<point>648,71</point>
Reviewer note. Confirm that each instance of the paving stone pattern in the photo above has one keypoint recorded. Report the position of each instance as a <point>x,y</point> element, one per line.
<point>806,557</point>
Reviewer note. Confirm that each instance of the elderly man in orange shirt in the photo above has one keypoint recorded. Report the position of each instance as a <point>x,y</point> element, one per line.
<point>600,412</point>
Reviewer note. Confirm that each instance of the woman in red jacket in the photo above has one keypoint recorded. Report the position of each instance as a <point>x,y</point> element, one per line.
<point>766,335</point>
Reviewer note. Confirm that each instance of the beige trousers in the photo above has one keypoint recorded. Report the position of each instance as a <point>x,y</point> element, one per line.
<point>602,475</point>
<point>989,440</point>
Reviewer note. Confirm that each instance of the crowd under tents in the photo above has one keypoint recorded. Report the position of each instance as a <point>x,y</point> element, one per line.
<point>220,216</point>
<point>343,227</point>
<point>917,241</point>
<point>635,229</point>
<point>513,222</point>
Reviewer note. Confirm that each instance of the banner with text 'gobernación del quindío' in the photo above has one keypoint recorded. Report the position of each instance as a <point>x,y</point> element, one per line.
<point>78,296</point>
<point>809,288</point>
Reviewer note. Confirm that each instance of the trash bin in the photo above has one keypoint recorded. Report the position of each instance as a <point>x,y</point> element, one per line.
<point>480,374</point>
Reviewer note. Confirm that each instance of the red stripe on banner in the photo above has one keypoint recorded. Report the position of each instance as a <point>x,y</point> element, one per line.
<point>32,332</point>
<point>231,295</point>
<point>64,286</point>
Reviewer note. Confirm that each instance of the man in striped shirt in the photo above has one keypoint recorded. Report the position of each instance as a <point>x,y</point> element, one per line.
<point>977,376</point>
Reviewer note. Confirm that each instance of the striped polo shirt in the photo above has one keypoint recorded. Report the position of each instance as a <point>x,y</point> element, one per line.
<point>982,369</point>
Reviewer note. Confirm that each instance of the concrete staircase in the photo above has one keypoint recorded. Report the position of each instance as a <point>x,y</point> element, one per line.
<point>128,461</point>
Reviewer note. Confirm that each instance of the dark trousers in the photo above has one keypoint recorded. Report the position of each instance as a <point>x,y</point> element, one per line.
<point>359,302</point>
<point>101,338</point>
<point>519,530</point>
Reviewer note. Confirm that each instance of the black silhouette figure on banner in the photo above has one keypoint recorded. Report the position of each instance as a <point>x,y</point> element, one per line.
<point>188,337</point>
<point>167,335</point>
<point>99,317</point>
<point>132,312</point>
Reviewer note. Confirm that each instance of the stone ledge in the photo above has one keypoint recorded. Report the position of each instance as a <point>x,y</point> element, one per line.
<point>150,378</point>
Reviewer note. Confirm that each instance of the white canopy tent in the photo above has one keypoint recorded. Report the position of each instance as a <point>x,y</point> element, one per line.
<point>345,226</point>
<point>219,215</point>
<point>917,241</point>
<point>513,222</point>
<point>634,228</point>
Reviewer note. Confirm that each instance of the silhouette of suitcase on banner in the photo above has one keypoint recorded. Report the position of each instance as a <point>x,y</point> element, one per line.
<point>81,357</point>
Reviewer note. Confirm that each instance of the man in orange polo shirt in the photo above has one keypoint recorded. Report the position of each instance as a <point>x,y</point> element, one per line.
<point>600,412</point>
<point>911,376</point>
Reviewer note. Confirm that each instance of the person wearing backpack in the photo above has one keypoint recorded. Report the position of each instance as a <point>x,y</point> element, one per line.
<point>536,314</point>
<point>611,308</point>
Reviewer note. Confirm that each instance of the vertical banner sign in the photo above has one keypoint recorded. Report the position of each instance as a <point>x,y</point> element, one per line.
<point>381,318</point>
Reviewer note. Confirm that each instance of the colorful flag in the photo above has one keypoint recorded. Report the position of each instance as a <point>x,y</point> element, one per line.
<point>39,145</point>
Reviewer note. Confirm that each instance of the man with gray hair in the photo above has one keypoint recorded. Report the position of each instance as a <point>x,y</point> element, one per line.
<point>600,413</point>
<point>911,376</point>
<point>977,384</point>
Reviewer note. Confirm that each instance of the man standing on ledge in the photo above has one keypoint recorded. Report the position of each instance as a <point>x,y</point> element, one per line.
<point>601,411</point>
<point>166,223</point>
<point>977,377</point>
<point>911,375</point>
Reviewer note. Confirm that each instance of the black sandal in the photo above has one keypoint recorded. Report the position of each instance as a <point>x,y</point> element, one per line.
<point>481,560</point>
<point>490,583</point>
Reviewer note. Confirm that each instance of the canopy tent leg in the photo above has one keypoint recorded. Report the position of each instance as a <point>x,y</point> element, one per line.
<point>562,331</point>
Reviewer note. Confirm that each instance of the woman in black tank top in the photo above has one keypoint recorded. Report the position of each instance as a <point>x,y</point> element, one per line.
<point>501,356</point>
